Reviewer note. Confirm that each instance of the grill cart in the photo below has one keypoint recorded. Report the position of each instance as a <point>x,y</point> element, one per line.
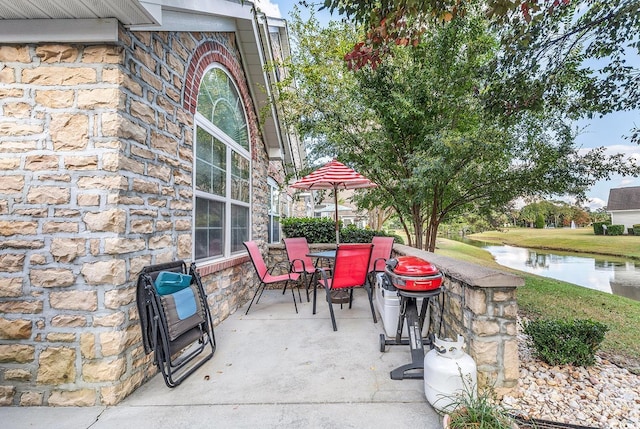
<point>414,279</point>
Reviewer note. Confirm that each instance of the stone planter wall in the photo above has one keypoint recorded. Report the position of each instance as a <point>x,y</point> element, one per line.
<point>479,304</point>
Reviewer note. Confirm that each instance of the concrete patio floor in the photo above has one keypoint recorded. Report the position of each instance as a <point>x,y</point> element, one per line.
<point>272,368</point>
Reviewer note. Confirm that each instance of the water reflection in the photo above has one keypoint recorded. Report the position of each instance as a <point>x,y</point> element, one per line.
<point>619,277</point>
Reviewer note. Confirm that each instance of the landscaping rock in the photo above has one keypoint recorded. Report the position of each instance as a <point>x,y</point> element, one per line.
<point>605,395</point>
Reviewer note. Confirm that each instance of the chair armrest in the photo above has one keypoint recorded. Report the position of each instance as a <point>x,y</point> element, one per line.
<point>293,261</point>
<point>375,263</point>
<point>325,273</point>
<point>281,264</point>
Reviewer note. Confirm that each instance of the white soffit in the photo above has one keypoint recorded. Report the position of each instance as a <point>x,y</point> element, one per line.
<point>174,20</point>
<point>126,11</point>
<point>57,30</point>
<point>93,21</point>
<point>33,21</point>
<point>197,15</point>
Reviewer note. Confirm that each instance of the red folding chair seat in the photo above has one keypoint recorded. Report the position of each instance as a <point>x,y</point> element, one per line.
<point>265,274</point>
<point>349,272</point>
<point>297,250</point>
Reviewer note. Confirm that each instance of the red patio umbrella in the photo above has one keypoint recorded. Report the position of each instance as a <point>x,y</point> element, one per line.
<point>334,175</point>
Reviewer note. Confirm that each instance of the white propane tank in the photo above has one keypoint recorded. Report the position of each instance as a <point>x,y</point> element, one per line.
<point>448,371</point>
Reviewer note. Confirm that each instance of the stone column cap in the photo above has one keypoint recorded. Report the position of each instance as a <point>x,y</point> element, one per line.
<point>466,272</point>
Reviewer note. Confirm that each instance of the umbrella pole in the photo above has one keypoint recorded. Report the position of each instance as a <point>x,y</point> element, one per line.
<point>335,197</point>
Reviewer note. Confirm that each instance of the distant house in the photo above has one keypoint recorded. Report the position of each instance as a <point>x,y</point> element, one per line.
<point>624,206</point>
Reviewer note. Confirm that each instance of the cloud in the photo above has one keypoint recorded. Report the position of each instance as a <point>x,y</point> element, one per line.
<point>595,203</point>
<point>268,8</point>
<point>631,151</point>
<point>627,181</point>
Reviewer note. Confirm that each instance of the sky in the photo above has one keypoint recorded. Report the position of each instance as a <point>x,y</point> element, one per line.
<point>609,131</point>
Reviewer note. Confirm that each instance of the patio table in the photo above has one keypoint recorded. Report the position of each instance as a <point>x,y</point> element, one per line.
<point>337,296</point>
<point>328,255</point>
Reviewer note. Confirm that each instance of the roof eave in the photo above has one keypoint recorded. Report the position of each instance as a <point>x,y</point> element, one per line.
<point>73,21</point>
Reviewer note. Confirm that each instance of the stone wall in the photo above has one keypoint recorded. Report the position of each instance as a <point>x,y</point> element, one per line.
<point>96,171</point>
<point>479,304</point>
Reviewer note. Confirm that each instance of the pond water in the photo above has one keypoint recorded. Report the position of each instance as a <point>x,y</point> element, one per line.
<point>611,275</point>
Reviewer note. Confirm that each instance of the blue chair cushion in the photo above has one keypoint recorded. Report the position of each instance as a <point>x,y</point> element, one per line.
<point>185,303</point>
<point>183,310</point>
<point>169,282</point>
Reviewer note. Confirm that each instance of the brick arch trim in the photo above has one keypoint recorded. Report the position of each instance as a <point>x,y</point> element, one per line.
<point>207,53</point>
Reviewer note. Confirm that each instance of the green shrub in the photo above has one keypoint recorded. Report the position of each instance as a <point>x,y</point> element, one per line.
<point>597,227</point>
<point>323,230</point>
<point>615,230</point>
<point>315,229</point>
<point>636,229</point>
<point>397,238</point>
<point>539,223</point>
<point>353,234</point>
<point>560,342</point>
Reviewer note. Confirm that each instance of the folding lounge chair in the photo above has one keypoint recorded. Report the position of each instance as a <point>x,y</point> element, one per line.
<point>175,319</point>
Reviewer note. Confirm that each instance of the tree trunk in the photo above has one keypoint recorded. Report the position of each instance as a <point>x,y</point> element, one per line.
<point>432,234</point>
<point>377,218</point>
<point>406,230</point>
<point>432,226</point>
<point>417,225</point>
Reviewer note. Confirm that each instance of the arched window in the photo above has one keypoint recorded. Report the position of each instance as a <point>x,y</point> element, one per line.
<point>222,168</point>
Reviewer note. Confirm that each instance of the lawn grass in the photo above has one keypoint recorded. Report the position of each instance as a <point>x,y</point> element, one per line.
<point>580,240</point>
<point>553,299</point>
<point>459,250</point>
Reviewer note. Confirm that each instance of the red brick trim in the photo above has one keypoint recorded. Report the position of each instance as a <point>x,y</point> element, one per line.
<point>207,53</point>
<point>213,267</point>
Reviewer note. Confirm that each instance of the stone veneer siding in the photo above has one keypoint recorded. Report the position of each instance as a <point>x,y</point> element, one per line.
<point>95,183</point>
<point>479,304</point>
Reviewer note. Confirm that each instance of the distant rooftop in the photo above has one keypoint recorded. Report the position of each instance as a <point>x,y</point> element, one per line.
<point>624,198</point>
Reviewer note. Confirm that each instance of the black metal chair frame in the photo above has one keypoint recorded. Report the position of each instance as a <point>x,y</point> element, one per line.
<point>176,359</point>
<point>268,278</point>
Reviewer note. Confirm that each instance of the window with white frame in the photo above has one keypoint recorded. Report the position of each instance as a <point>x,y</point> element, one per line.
<point>274,211</point>
<point>222,169</point>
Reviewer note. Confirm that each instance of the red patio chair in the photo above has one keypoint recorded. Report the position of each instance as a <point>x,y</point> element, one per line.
<point>349,271</point>
<point>382,247</point>
<point>265,276</point>
<point>297,250</point>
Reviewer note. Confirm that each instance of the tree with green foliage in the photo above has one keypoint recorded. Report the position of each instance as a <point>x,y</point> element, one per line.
<point>418,126</point>
<point>541,38</point>
<point>579,216</point>
<point>538,36</point>
<point>557,213</point>
<point>529,213</point>
<point>600,215</point>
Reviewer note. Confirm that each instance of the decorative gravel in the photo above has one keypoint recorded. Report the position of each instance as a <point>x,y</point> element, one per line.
<point>603,396</point>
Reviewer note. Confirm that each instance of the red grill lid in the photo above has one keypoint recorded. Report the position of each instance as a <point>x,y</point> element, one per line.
<point>414,266</point>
